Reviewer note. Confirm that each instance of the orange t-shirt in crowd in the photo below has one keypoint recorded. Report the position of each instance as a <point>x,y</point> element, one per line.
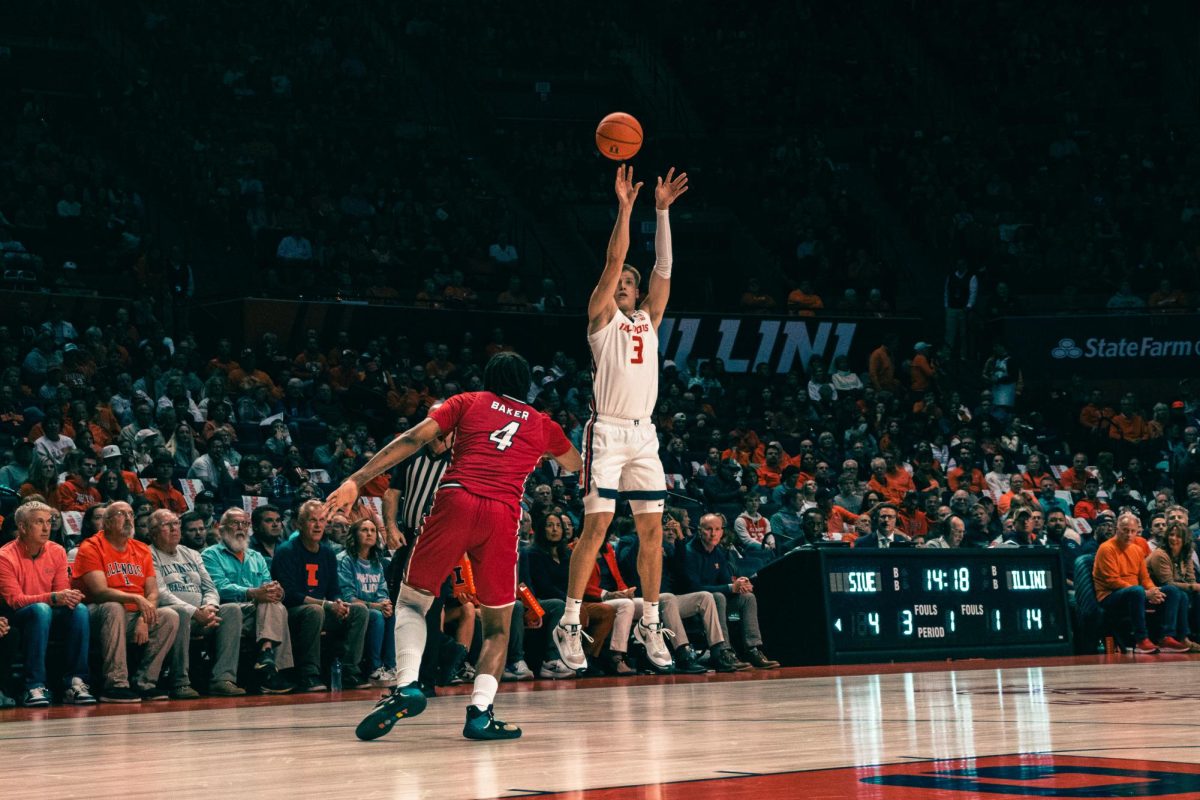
<point>166,497</point>
<point>1071,480</point>
<point>958,479</point>
<point>920,373</point>
<point>1129,429</point>
<point>124,570</point>
<point>803,305</point>
<point>1119,567</point>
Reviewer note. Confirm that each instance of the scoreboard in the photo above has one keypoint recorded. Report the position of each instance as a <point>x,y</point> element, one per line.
<point>904,604</point>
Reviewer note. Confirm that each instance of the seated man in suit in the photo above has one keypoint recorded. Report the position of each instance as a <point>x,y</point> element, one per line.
<point>883,529</point>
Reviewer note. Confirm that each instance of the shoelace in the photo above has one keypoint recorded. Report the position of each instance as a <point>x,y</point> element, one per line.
<point>578,630</point>
<point>659,628</point>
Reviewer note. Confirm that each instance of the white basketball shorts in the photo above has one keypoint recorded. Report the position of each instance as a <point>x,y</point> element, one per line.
<point>620,460</point>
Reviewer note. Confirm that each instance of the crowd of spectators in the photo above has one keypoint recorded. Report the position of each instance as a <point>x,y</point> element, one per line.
<point>200,473</point>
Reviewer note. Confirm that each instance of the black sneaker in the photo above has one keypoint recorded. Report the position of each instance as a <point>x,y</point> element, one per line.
<point>427,689</point>
<point>153,693</point>
<point>275,683</point>
<point>352,680</point>
<point>266,659</point>
<point>119,694</point>
<point>310,683</point>
<point>727,661</point>
<point>400,702</point>
<point>686,663</point>
<point>484,725</point>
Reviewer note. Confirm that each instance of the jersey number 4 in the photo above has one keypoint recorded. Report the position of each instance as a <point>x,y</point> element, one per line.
<point>503,436</point>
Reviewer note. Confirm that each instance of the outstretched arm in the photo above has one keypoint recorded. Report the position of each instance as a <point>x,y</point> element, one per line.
<point>602,306</point>
<point>665,193</point>
<point>392,454</point>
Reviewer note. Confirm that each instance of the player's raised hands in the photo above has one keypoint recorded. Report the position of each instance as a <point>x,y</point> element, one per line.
<point>669,188</point>
<point>627,190</point>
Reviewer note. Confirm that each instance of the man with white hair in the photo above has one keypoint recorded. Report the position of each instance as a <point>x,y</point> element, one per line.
<point>241,575</point>
<point>116,574</point>
<point>186,586</point>
<point>34,585</point>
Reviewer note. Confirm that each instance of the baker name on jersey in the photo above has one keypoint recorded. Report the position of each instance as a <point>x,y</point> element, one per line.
<point>512,412</point>
<point>641,327</point>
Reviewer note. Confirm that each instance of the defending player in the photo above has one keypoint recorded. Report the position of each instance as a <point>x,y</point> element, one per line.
<point>499,439</point>
<point>620,444</point>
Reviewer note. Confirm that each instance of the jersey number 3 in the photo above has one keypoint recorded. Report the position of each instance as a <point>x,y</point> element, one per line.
<point>503,436</point>
<point>637,350</point>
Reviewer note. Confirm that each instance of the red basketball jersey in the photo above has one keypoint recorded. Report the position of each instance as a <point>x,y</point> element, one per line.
<point>498,441</point>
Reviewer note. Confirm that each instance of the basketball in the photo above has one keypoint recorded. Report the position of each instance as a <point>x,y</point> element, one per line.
<point>619,136</point>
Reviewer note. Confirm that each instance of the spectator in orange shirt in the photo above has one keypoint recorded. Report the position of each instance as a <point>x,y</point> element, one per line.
<point>755,300</point>
<point>1129,426</point>
<point>1123,582</point>
<point>1168,297</point>
<point>881,368</point>
<point>1072,477</point>
<point>116,574</point>
<point>804,302</point>
<point>1091,504</point>
<point>76,492</point>
<point>921,372</point>
<point>1094,416</point>
<point>771,471</point>
<point>879,482</point>
<point>440,366</point>
<point>161,493</point>
<point>965,475</point>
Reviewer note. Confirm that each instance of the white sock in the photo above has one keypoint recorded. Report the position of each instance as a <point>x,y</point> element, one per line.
<point>484,692</point>
<point>411,607</point>
<point>650,613</point>
<point>571,612</point>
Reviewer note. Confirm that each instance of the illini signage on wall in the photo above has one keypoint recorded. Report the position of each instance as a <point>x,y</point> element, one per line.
<point>782,344</point>
<point>1113,345</point>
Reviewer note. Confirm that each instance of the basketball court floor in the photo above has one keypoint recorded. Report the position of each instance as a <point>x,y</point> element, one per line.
<point>1094,727</point>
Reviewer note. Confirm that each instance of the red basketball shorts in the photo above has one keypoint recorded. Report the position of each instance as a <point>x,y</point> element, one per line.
<point>483,528</point>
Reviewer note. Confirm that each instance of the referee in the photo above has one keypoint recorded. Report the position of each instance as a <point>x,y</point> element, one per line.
<point>419,476</point>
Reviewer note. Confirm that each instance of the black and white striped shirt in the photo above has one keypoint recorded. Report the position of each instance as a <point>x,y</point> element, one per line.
<point>417,479</point>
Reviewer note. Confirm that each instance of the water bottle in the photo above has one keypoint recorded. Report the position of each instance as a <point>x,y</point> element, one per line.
<point>335,676</point>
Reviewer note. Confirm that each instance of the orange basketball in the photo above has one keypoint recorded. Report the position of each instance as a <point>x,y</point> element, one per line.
<point>619,136</point>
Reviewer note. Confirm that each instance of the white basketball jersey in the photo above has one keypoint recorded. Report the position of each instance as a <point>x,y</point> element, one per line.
<point>625,367</point>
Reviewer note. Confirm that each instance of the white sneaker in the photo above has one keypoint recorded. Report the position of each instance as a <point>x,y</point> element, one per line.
<point>519,671</point>
<point>569,640</point>
<point>555,670</point>
<point>379,677</point>
<point>652,638</point>
<point>37,697</point>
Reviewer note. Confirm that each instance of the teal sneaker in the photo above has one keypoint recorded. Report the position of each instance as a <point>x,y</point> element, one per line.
<point>484,725</point>
<point>400,702</point>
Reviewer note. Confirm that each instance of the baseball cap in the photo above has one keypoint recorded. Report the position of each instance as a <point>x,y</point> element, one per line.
<point>110,451</point>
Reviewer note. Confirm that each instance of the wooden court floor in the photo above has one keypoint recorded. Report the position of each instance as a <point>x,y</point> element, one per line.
<point>1080,728</point>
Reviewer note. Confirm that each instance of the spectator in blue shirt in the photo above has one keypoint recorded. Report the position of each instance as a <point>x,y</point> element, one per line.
<point>362,582</point>
<point>306,568</point>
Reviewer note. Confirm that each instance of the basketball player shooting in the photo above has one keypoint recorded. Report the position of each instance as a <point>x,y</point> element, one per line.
<point>620,445</point>
<point>499,439</point>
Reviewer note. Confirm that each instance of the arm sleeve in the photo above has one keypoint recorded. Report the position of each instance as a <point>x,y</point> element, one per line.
<point>227,590</point>
<point>663,258</point>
